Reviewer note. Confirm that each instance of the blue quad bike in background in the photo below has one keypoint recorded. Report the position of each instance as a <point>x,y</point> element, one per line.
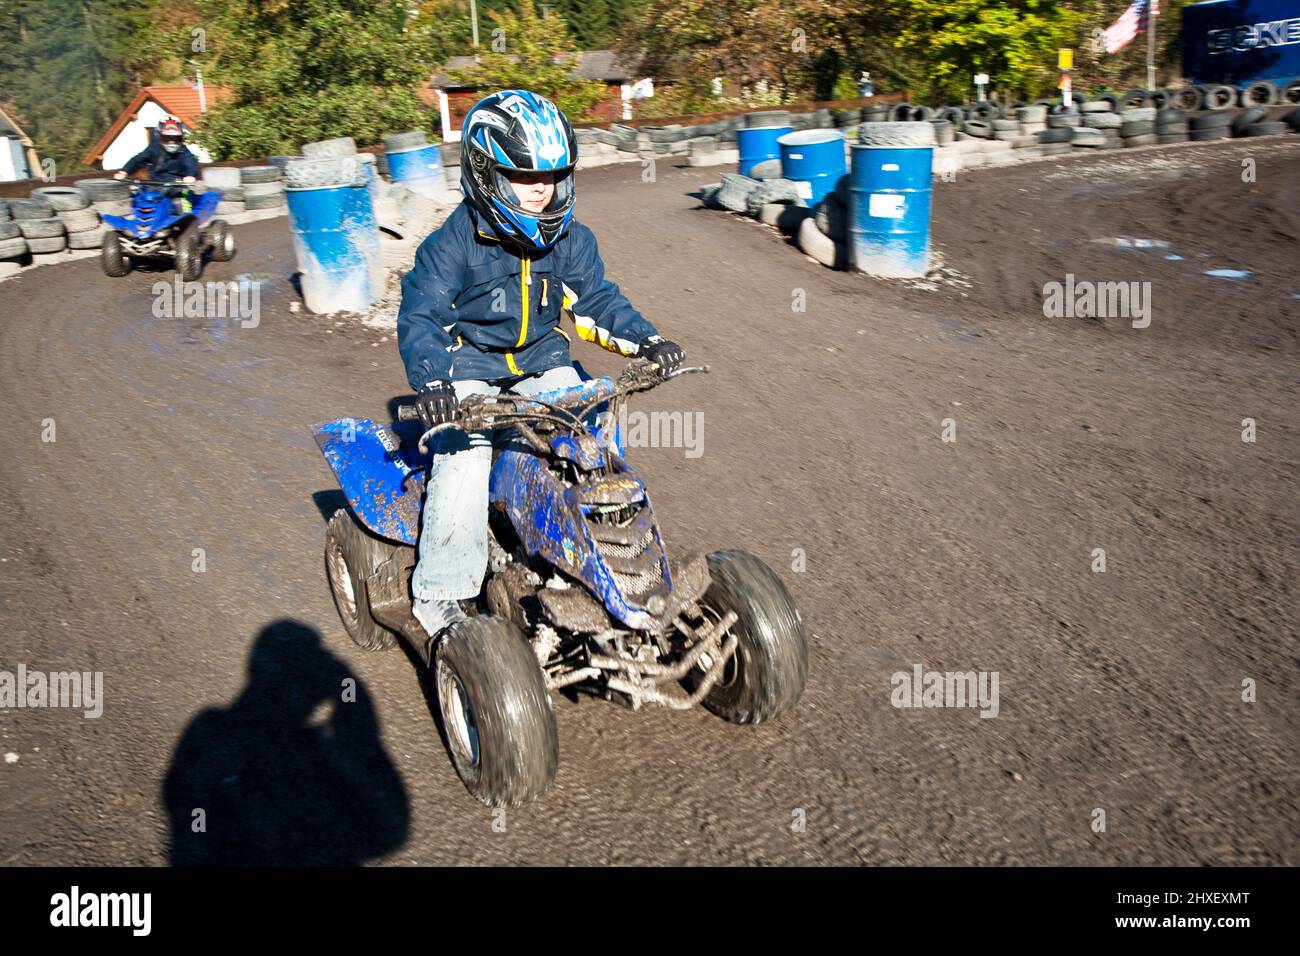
<point>156,229</point>
<point>579,595</point>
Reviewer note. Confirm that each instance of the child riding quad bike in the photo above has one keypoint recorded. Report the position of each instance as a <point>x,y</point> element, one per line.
<point>552,548</point>
<point>167,220</point>
<point>156,230</point>
<point>580,594</point>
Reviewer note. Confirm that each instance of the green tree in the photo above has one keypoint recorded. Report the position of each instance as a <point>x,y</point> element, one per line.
<point>1014,41</point>
<point>68,67</point>
<point>589,21</point>
<point>440,29</point>
<point>786,44</point>
<point>538,54</point>
<point>308,70</point>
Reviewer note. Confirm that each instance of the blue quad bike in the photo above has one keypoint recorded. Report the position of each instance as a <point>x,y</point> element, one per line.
<point>580,593</point>
<point>156,229</point>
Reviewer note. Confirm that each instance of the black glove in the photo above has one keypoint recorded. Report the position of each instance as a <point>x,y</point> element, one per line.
<point>667,355</point>
<point>436,403</point>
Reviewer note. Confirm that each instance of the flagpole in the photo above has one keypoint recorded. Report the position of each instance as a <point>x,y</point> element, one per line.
<point>1151,44</point>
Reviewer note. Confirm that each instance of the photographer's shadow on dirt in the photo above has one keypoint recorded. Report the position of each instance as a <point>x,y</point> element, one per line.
<point>293,773</point>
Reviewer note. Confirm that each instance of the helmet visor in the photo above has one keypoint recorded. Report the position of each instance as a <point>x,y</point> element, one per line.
<point>522,190</point>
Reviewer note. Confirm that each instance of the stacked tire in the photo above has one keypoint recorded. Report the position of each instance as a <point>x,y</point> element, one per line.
<point>1210,126</point>
<point>1055,140</point>
<point>40,226</point>
<point>262,187</point>
<point>875,114</point>
<point>1007,130</point>
<point>844,119</point>
<point>13,246</point>
<point>80,220</point>
<point>1033,120</point>
<point>1259,93</point>
<point>310,173</point>
<point>1254,121</point>
<point>1139,124</point>
<point>1171,125</point>
<point>229,181</point>
<point>1058,137</point>
<point>108,197</point>
<point>944,132</point>
<point>396,142</point>
<point>1216,97</point>
<point>767,118</point>
<point>735,192</point>
<point>330,148</point>
<point>1099,114</point>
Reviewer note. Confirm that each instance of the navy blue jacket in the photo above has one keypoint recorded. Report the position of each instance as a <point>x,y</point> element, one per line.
<point>162,165</point>
<point>464,316</point>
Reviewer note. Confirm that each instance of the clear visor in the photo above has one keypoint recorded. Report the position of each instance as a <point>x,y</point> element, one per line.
<point>523,195</point>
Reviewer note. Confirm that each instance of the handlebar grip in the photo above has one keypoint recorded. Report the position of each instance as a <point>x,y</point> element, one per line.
<point>407,413</point>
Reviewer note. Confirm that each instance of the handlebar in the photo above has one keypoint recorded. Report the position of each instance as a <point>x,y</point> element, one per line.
<point>478,412</point>
<point>156,184</point>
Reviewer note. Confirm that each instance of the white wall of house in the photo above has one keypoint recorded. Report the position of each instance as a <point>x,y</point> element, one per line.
<point>449,135</point>
<point>135,137</point>
<point>13,160</point>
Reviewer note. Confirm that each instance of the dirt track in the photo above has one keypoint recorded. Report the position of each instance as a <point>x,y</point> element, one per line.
<point>1118,690</point>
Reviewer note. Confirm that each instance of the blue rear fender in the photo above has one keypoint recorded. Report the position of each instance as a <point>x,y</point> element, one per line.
<point>381,471</point>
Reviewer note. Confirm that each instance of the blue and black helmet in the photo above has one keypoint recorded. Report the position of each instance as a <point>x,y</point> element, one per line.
<point>515,129</point>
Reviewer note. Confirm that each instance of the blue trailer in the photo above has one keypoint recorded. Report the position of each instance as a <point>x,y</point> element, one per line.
<point>1240,42</point>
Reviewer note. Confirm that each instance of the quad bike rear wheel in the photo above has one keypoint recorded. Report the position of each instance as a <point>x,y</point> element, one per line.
<point>221,241</point>
<point>765,677</point>
<point>497,716</point>
<point>351,556</point>
<point>113,258</point>
<point>189,254</point>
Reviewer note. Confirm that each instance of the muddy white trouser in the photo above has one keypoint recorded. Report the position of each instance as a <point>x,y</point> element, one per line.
<point>453,530</point>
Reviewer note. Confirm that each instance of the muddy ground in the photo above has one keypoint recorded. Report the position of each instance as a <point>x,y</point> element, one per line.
<point>1120,691</point>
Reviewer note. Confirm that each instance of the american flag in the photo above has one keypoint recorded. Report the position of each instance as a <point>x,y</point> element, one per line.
<point>1121,33</point>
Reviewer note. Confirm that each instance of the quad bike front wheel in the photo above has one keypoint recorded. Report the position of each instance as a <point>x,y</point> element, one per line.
<point>113,258</point>
<point>220,241</point>
<point>351,556</point>
<point>189,254</point>
<point>765,677</point>
<point>496,713</point>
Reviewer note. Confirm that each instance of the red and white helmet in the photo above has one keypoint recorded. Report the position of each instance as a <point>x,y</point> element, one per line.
<point>171,134</point>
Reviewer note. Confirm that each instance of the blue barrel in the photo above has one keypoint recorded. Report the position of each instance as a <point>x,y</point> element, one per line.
<point>889,210</point>
<point>336,241</point>
<point>757,145</point>
<point>419,169</point>
<point>378,282</point>
<point>814,160</point>
<point>373,182</point>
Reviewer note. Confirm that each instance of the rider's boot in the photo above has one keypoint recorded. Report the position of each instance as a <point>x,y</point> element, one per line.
<point>436,616</point>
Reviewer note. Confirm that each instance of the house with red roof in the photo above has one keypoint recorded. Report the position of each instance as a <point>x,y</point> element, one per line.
<point>17,154</point>
<point>131,131</point>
